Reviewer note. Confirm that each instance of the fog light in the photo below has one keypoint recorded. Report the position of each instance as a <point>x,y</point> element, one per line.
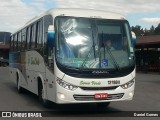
<point>61,96</point>
<point>131,94</point>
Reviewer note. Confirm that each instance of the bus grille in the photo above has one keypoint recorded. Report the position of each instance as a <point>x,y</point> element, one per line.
<point>99,88</point>
<point>91,97</point>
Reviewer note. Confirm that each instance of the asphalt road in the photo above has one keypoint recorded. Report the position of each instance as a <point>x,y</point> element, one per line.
<point>146,98</point>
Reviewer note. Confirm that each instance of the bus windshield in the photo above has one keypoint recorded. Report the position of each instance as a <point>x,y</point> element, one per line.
<point>88,43</point>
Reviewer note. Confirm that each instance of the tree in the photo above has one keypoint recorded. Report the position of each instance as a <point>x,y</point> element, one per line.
<point>137,30</point>
<point>157,30</point>
<point>152,30</point>
<point>140,31</point>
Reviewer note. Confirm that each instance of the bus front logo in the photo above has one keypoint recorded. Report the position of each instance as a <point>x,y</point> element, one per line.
<point>99,72</point>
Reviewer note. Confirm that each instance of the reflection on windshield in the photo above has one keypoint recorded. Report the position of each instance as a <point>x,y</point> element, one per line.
<point>93,43</point>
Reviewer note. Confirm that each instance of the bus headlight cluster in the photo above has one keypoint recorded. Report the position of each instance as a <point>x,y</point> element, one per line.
<point>65,84</point>
<point>128,84</point>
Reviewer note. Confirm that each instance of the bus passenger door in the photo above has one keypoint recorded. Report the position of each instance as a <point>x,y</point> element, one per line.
<point>50,64</point>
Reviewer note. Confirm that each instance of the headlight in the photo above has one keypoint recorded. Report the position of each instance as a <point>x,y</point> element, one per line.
<point>128,84</point>
<point>66,85</point>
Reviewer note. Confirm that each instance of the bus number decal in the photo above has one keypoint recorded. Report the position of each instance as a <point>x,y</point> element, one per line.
<point>113,82</point>
<point>33,60</point>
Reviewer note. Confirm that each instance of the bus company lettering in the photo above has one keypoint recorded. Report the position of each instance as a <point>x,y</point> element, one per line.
<point>90,83</point>
<point>33,60</point>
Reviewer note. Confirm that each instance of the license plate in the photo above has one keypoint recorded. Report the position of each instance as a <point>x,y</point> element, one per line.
<point>100,95</point>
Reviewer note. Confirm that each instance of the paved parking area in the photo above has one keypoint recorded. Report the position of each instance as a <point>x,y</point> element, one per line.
<point>146,98</point>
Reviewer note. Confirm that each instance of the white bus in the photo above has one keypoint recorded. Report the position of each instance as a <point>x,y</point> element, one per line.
<point>75,56</point>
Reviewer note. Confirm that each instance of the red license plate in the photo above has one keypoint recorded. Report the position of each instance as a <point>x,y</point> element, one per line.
<point>100,95</point>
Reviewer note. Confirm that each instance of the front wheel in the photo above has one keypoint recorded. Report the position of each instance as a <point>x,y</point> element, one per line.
<point>45,102</point>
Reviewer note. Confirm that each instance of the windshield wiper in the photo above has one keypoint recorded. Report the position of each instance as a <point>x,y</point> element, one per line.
<point>86,58</point>
<point>94,50</point>
<point>112,57</point>
<point>93,46</point>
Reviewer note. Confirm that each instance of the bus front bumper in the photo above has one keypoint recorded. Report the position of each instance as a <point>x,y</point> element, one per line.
<point>64,96</point>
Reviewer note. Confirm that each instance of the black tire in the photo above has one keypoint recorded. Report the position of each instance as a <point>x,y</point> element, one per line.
<point>44,102</point>
<point>19,88</point>
<point>103,105</point>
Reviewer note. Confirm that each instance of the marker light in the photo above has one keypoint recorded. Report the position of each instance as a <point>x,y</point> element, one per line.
<point>128,84</point>
<point>66,85</point>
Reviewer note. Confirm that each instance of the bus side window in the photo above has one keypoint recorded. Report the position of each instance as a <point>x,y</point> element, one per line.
<point>19,41</point>
<point>12,43</point>
<point>28,38</point>
<point>15,42</point>
<point>41,33</point>
<point>24,39</point>
<point>23,42</point>
<point>35,35</point>
<point>40,37</point>
<point>38,34</point>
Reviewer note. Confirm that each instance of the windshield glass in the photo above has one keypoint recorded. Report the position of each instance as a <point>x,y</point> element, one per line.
<point>93,43</point>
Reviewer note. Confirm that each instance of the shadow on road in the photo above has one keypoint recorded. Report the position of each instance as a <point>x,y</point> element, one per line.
<point>81,110</point>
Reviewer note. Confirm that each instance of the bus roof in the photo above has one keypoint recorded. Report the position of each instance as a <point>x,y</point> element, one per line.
<point>77,12</point>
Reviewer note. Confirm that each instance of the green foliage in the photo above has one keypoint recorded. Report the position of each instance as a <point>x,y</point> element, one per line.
<point>144,32</point>
<point>157,30</point>
<point>137,30</point>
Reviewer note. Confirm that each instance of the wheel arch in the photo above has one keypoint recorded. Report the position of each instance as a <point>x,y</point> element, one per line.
<point>18,76</point>
<point>40,81</point>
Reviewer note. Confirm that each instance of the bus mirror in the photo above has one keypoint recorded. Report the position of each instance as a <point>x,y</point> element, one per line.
<point>51,36</point>
<point>133,39</point>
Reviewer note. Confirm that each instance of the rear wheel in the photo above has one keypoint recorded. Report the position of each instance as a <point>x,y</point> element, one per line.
<point>45,102</point>
<point>103,105</point>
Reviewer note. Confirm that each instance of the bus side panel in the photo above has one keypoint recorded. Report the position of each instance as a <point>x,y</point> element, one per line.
<point>17,68</point>
<point>12,63</point>
<point>35,62</point>
<point>35,68</point>
<point>32,80</point>
<point>13,74</point>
